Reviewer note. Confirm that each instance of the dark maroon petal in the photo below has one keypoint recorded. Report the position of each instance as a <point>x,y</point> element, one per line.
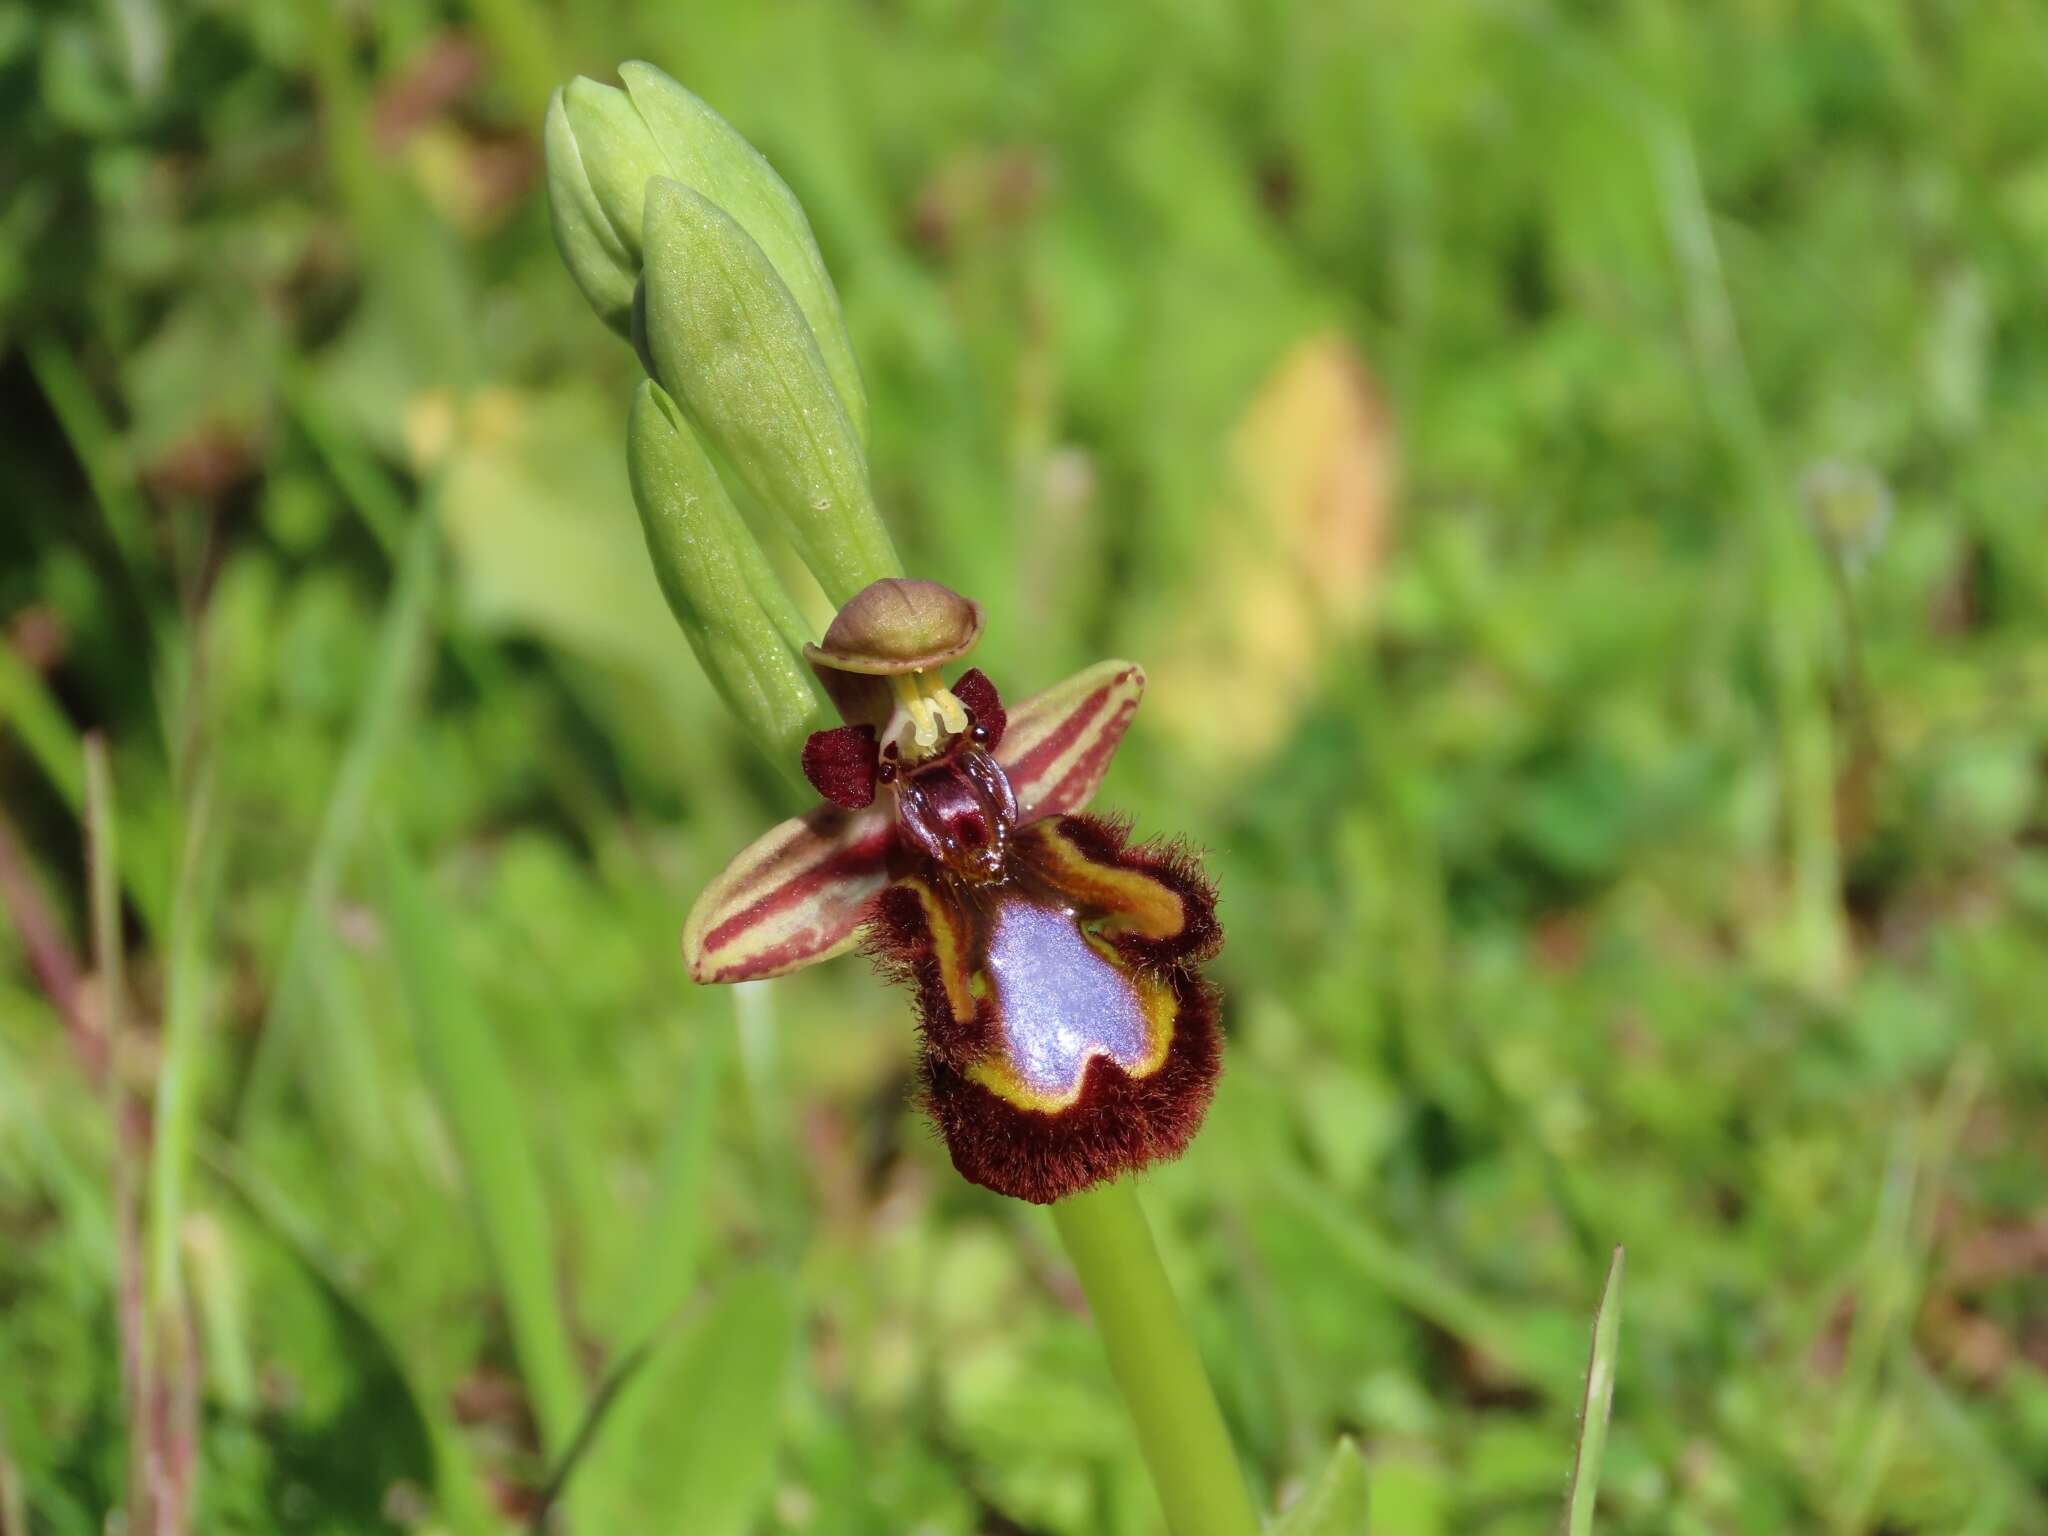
<point>983,702</point>
<point>841,762</point>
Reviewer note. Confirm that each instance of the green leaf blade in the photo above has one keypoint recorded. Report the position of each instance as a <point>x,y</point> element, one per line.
<point>473,1085</point>
<point>1585,1489</point>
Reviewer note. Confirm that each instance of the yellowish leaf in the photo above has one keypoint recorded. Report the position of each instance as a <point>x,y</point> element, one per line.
<point>1297,544</point>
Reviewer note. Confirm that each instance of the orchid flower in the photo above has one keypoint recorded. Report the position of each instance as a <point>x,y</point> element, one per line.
<point>1067,1034</point>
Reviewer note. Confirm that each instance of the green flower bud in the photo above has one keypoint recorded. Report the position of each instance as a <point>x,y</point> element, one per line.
<point>746,633</point>
<point>593,248</point>
<point>729,341</point>
<point>603,147</point>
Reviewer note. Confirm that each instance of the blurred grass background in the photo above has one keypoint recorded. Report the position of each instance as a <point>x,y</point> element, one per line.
<point>1575,472</point>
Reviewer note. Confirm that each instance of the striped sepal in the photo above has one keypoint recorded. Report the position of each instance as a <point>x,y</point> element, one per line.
<point>1058,743</point>
<point>795,896</point>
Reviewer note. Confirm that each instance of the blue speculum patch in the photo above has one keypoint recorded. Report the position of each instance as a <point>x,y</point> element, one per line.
<point>1061,1002</point>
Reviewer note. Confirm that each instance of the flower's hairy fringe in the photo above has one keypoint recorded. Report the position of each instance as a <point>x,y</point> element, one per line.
<point>1118,1125</point>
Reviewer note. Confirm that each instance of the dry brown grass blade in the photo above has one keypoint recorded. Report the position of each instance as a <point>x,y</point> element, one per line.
<point>158,1381</point>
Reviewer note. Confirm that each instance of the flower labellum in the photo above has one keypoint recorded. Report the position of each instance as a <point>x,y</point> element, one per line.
<point>1067,1033</point>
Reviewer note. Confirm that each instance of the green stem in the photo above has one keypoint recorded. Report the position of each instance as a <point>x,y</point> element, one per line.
<point>1152,1356</point>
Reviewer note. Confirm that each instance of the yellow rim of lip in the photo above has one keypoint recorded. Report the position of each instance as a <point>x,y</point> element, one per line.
<point>948,950</point>
<point>1136,902</point>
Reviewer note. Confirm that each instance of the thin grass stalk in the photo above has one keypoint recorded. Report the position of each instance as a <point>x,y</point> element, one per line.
<point>102,858</point>
<point>28,705</point>
<point>13,1502</point>
<point>1799,695</point>
<point>176,1364</point>
<point>1426,1289</point>
<point>1585,1489</point>
<point>475,1091</point>
<point>402,640</point>
<point>458,1486</point>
